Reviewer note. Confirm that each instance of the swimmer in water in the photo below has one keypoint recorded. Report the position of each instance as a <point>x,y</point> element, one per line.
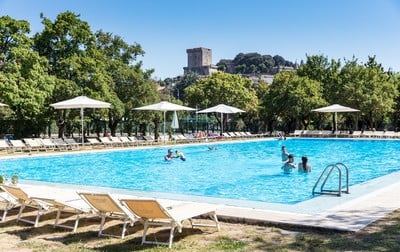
<point>169,156</point>
<point>212,148</point>
<point>180,155</point>
<point>285,154</point>
<point>289,166</point>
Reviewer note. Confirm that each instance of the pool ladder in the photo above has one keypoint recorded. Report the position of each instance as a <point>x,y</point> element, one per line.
<point>339,167</point>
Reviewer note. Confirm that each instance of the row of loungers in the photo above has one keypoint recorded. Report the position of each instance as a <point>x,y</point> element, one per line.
<point>52,144</point>
<point>200,137</point>
<point>354,134</point>
<point>131,210</point>
<point>37,144</point>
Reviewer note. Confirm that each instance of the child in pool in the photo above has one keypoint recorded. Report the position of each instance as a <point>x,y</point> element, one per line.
<point>180,155</point>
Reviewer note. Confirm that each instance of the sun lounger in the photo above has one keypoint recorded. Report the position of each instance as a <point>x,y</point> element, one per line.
<point>18,145</point>
<point>154,214</point>
<point>181,138</point>
<point>94,142</point>
<point>66,207</point>
<point>61,144</point>
<point>6,203</point>
<point>72,143</point>
<point>106,207</point>
<point>296,133</point>
<point>47,143</point>
<point>26,201</point>
<point>34,145</point>
<point>5,146</point>
<point>137,141</point>
<point>106,141</point>
<point>226,135</point>
<point>149,139</point>
<point>163,139</point>
<point>127,141</point>
<point>116,141</point>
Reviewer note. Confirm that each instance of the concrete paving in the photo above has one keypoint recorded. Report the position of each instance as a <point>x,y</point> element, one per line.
<point>365,204</point>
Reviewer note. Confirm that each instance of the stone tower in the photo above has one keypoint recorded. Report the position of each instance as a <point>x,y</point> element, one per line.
<point>200,61</point>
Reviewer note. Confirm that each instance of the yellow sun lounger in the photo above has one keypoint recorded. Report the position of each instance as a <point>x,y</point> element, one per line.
<point>152,213</point>
<point>66,207</point>
<point>6,203</point>
<point>106,207</point>
<point>24,200</point>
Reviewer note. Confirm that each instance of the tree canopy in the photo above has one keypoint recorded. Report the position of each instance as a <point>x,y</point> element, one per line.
<point>67,59</point>
<point>253,63</point>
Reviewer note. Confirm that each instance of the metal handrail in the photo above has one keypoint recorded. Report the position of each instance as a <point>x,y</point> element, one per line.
<point>329,169</point>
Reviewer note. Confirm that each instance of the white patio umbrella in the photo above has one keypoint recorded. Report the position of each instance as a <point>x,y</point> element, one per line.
<point>335,108</point>
<point>175,123</point>
<point>165,106</point>
<point>80,102</point>
<point>222,109</point>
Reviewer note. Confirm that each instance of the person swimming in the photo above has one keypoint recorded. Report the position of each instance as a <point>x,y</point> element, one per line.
<point>212,148</point>
<point>180,155</point>
<point>170,155</point>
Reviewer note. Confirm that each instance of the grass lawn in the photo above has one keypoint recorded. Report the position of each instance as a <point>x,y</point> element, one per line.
<point>383,235</point>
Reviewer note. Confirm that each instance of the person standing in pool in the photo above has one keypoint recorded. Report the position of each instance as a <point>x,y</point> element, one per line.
<point>289,166</point>
<point>169,156</point>
<point>304,166</point>
<point>285,154</point>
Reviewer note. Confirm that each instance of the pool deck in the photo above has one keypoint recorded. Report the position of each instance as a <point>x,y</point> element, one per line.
<point>366,203</point>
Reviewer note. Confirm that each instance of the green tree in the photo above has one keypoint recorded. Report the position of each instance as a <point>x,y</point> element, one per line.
<point>370,89</point>
<point>24,82</point>
<point>184,82</point>
<point>128,82</point>
<point>230,89</point>
<point>290,99</point>
<point>65,43</point>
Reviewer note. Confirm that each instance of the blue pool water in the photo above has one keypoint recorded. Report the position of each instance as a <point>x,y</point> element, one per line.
<point>248,170</point>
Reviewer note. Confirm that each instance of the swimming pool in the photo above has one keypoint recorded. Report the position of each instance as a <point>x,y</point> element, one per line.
<point>249,170</point>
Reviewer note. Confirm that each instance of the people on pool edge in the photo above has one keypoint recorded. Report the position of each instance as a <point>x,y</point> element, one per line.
<point>171,155</point>
<point>289,165</point>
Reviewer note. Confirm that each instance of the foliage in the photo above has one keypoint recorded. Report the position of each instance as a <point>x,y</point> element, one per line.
<point>291,98</point>
<point>253,63</point>
<point>229,89</point>
<point>99,65</point>
<point>366,87</point>
<point>67,59</point>
<point>24,81</point>
<point>183,82</point>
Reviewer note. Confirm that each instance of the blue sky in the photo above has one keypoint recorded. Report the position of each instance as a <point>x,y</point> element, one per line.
<point>293,29</point>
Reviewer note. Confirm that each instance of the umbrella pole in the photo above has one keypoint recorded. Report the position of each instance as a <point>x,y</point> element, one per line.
<point>82,126</point>
<point>164,128</point>
<point>222,124</point>
<point>335,122</point>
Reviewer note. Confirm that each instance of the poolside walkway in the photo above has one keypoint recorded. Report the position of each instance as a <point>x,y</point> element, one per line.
<point>365,204</point>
